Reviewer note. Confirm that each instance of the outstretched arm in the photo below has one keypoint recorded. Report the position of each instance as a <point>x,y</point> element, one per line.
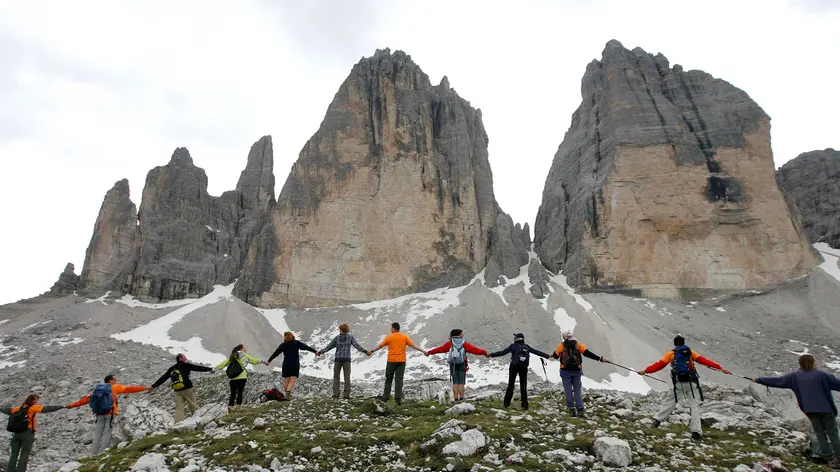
<point>538,352</point>
<point>592,355</point>
<point>80,402</point>
<point>52,408</point>
<point>355,344</point>
<point>501,353</point>
<point>833,382</point>
<point>416,348</point>
<point>306,347</point>
<point>276,353</point>
<point>334,343</point>
<point>162,379</point>
<point>200,368</point>
<point>785,381</point>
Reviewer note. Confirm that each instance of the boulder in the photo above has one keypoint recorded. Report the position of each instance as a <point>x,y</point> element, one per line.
<point>664,186</point>
<point>471,441</point>
<point>151,462</point>
<point>461,409</point>
<point>613,451</point>
<point>66,284</point>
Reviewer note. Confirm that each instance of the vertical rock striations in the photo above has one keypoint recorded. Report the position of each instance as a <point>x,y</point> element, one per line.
<point>183,240</point>
<point>66,284</point>
<point>664,185</point>
<point>811,184</point>
<point>393,194</point>
<point>112,254</point>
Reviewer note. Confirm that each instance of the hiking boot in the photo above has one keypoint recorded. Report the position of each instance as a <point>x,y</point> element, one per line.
<point>581,413</point>
<point>819,460</point>
<point>398,400</point>
<point>572,412</point>
<point>288,395</point>
<point>335,397</point>
<point>346,397</point>
<point>696,436</point>
<point>656,423</point>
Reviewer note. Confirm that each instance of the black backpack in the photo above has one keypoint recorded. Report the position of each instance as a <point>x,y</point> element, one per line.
<point>571,358</point>
<point>19,420</point>
<point>521,356</point>
<point>234,369</point>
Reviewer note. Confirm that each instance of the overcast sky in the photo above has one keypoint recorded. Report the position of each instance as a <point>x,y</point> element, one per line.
<point>93,92</point>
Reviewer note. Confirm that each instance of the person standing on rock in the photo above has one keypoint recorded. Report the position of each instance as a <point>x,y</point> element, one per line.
<point>237,373</point>
<point>179,374</point>
<point>22,425</point>
<point>103,402</point>
<point>686,383</point>
<point>342,344</point>
<point>571,353</point>
<point>290,348</point>
<point>519,360</point>
<point>812,388</point>
<point>395,368</point>
<point>457,349</point>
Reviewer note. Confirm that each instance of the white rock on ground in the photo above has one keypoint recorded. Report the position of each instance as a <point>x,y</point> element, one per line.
<point>471,441</point>
<point>203,416</point>
<point>461,409</point>
<point>613,451</point>
<point>70,466</point>
<point>742,468</point>
<point>151,462</point>
<point>556,455</point>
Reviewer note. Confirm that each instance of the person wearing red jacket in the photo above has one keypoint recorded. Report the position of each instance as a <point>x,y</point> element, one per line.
<point>457,349</point>
<point>684,376</point>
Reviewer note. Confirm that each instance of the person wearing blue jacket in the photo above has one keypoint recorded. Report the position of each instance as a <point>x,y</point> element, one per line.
<point>813,388</point>
<point>519,357</point>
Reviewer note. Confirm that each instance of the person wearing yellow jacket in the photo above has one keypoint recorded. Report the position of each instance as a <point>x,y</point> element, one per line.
<point>237,373</point>
<point>23,438</point>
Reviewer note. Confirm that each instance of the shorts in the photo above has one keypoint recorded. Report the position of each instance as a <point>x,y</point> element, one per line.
<point>290,371</point>
<point>458,373</point>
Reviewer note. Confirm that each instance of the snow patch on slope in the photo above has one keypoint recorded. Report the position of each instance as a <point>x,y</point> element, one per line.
<point>156,332</point>
<point>831,256</point>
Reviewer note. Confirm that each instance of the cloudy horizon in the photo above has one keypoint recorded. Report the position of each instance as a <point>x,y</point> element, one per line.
<point>94,92</point>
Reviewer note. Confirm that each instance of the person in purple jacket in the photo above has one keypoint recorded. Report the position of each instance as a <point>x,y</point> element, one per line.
<point>813,388</point>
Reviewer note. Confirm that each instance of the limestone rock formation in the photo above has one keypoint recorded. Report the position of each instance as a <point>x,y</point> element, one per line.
<point>811,184</point>
<point>664,185</point>
<point>66,284</point>
<point>509,251</point>
<point>393,194</point>
<point>112,253</point>
<point>183,240</point>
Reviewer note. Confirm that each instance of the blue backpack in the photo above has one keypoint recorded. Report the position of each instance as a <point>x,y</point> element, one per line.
<point>682,369</point>
<point>102,400</point>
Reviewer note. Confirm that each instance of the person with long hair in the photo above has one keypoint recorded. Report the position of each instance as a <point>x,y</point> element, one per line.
<point>813,388</point>
<point>25,425</point>
<point>234,366</point>
<point>290,348</point>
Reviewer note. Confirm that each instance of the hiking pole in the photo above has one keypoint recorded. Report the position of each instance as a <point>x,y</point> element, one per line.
<point>634,370</point>
<point>736,375</point>
<point>542,361</point>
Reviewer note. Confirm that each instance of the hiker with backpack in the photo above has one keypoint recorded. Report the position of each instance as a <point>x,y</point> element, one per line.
<point>571,353</point>
<point>519,360</point>
<point>234,367</point>
<point>342,344</point>
<point>686,382</point>
<point>457,349</point>
<point>22,424</point>
<point>103,402</point>
<point>813,388</point>
<point>179,375</point>
<point>395,367</point>
<point>290,348</point>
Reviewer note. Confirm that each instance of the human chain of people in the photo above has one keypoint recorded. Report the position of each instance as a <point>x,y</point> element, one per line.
<point>811,386</point>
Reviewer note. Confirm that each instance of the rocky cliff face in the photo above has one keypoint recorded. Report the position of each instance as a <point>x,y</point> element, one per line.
<point>66,284</point>
<point>392,195</point>
<point>664,185</point>
<point>183,240</point>
<point>811,184</point>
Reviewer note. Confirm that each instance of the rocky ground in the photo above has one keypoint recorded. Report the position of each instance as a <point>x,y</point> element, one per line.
<point>365,435</point>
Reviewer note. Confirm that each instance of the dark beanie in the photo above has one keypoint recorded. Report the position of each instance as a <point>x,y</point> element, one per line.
<point>679,341</point>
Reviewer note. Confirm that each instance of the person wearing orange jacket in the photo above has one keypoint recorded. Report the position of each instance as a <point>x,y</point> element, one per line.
<point>23,435</point>
<point>571,353</point>
<point>682,360</point>
<point>458,348</point>
<point>106,395</point>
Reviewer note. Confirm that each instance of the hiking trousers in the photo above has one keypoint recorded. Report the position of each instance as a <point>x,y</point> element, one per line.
<point>338,367</point>
<point>21,447</point>
<point>520,370</point>
<point>394,371</point>
<point>689,394</point>
<point>102,433</point>
<point>187,396</point>
<point>237,388</point>
<point>825,427</point>
<point>573,388</point>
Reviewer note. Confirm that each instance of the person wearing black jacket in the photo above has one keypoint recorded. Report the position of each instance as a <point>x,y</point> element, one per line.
<point>290,348</point>
<point>519,355</point>
<point>179,374</point>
